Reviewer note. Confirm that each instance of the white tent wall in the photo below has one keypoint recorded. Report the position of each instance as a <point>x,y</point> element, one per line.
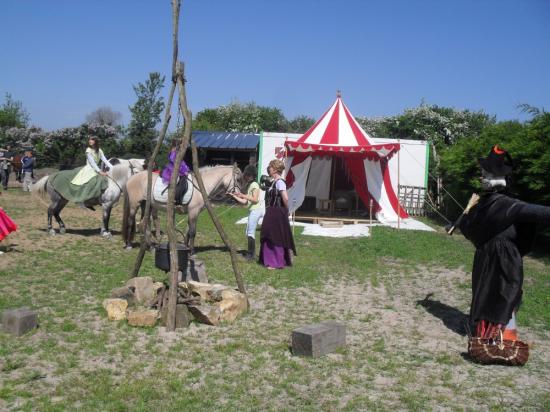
<point>319,168</point>
<point>411,161</point>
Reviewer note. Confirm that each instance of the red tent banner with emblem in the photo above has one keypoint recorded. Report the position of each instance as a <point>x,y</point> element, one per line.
<point>337,134</point>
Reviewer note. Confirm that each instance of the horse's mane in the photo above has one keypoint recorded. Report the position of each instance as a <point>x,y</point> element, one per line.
<point>206,168</point>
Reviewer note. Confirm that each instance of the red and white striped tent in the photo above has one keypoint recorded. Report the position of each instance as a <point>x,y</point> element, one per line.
<point>337,133</point>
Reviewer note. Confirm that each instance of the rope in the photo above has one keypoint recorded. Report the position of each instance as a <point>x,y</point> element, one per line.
<point>438,212</point>
<point>217,214</point>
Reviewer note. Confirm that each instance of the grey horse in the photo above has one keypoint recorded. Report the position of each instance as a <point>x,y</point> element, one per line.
<point>117,177</point>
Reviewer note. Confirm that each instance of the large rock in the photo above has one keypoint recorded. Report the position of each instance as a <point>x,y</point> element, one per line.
<point>116,308</point>
<point>219,303</point>
<point>208,314</point>
<point>142,317</point>
<point>125,293</point>
<point>196,271</point>
<point>208,292</point>
<point>145,290</point>
<point>183,316</point>
<point>232,305</point>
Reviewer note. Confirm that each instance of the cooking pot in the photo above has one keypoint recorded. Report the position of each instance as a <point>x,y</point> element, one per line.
<point>162,256</point>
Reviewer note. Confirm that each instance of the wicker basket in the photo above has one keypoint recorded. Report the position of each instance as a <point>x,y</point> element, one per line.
<point>498,351</point>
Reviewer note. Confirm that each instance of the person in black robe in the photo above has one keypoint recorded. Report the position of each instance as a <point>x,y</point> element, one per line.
<point>502,229</point>
<point>276,240</point>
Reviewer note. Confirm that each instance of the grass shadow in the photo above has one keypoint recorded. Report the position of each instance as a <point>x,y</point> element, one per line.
<point>451,317</point>
<point>83,232</point>
<point>199,249</point>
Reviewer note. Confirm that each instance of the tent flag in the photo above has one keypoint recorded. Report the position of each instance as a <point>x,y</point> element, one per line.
<point>337,133</point>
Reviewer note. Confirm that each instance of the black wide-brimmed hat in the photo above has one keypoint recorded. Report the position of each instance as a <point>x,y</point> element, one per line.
<point>498,162</point>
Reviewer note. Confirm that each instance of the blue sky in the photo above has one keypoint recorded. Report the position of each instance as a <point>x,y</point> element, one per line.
<point>63,59</point>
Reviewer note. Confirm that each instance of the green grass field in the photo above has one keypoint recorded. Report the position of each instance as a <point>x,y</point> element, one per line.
<point>399,356</point>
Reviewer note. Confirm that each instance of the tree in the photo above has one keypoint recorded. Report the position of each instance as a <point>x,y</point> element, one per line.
<point>300,124</point>
<point>66,147</point>
<point>239,117</point>
<point>12,113</point>
<point>442,127</point>
<point>145,115</point>
<point>104,115</point>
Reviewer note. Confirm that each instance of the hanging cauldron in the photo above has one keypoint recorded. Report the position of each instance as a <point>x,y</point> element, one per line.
<point>162,256</point>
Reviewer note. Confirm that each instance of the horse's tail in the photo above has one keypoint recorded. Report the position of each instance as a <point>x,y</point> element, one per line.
<point>39,188</point>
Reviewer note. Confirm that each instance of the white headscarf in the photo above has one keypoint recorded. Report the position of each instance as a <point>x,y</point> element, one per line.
<point>490,181</point>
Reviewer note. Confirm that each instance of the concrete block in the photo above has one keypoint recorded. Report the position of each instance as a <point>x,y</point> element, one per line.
<point>19,321</point>
<point>318,339</point>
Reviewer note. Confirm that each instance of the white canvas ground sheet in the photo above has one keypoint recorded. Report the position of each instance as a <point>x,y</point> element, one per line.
<point>407,224</point>
<point>358,230</point>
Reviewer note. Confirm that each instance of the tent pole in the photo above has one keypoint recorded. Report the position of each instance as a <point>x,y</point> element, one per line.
<point>398,184</point>
<point>370,212</point>
<point>332,171</point>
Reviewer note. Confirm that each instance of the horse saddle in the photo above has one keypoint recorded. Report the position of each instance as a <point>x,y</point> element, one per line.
<point>160,191</point>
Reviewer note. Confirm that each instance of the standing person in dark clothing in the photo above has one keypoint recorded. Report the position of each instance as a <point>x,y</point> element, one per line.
<point>502,229</point>
<point>276,235</point>
<point>27,169</point>
<point>6,157</point>
<point>256,210</point>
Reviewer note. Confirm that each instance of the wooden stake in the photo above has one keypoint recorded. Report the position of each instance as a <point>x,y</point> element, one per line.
<point>145,241</point>
<point>217,223</point>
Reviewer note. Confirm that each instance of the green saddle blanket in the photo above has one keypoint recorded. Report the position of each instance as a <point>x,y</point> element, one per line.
<point>61,182</point>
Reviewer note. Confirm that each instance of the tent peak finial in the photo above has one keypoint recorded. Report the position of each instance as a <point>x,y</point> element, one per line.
<point>338,94</point>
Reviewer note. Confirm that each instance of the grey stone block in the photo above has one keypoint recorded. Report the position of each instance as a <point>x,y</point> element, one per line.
<point>318,339</point>
<point>19,321</point>
<point>183,316</point>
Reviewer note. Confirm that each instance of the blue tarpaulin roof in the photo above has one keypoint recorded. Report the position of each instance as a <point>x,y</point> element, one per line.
<point>226,140</point>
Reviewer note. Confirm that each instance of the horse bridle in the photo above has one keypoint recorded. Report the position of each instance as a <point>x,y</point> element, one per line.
<point>233,185</point>
<point>231,188</point>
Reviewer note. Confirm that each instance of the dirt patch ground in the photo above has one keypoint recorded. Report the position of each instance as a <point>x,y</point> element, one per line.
<point>405,340</point>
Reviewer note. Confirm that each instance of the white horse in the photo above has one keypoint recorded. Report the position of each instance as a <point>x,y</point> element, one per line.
<point>134,165</point>
<point>117,177</point>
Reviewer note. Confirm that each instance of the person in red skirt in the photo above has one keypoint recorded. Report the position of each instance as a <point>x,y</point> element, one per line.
<point>6,225</point>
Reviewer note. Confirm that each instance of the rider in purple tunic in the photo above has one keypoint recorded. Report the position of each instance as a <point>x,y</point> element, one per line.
<point>181,186</point>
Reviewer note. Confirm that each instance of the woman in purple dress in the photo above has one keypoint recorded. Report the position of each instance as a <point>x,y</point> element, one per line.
<point>276,236</point>
<point>181,186</point>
